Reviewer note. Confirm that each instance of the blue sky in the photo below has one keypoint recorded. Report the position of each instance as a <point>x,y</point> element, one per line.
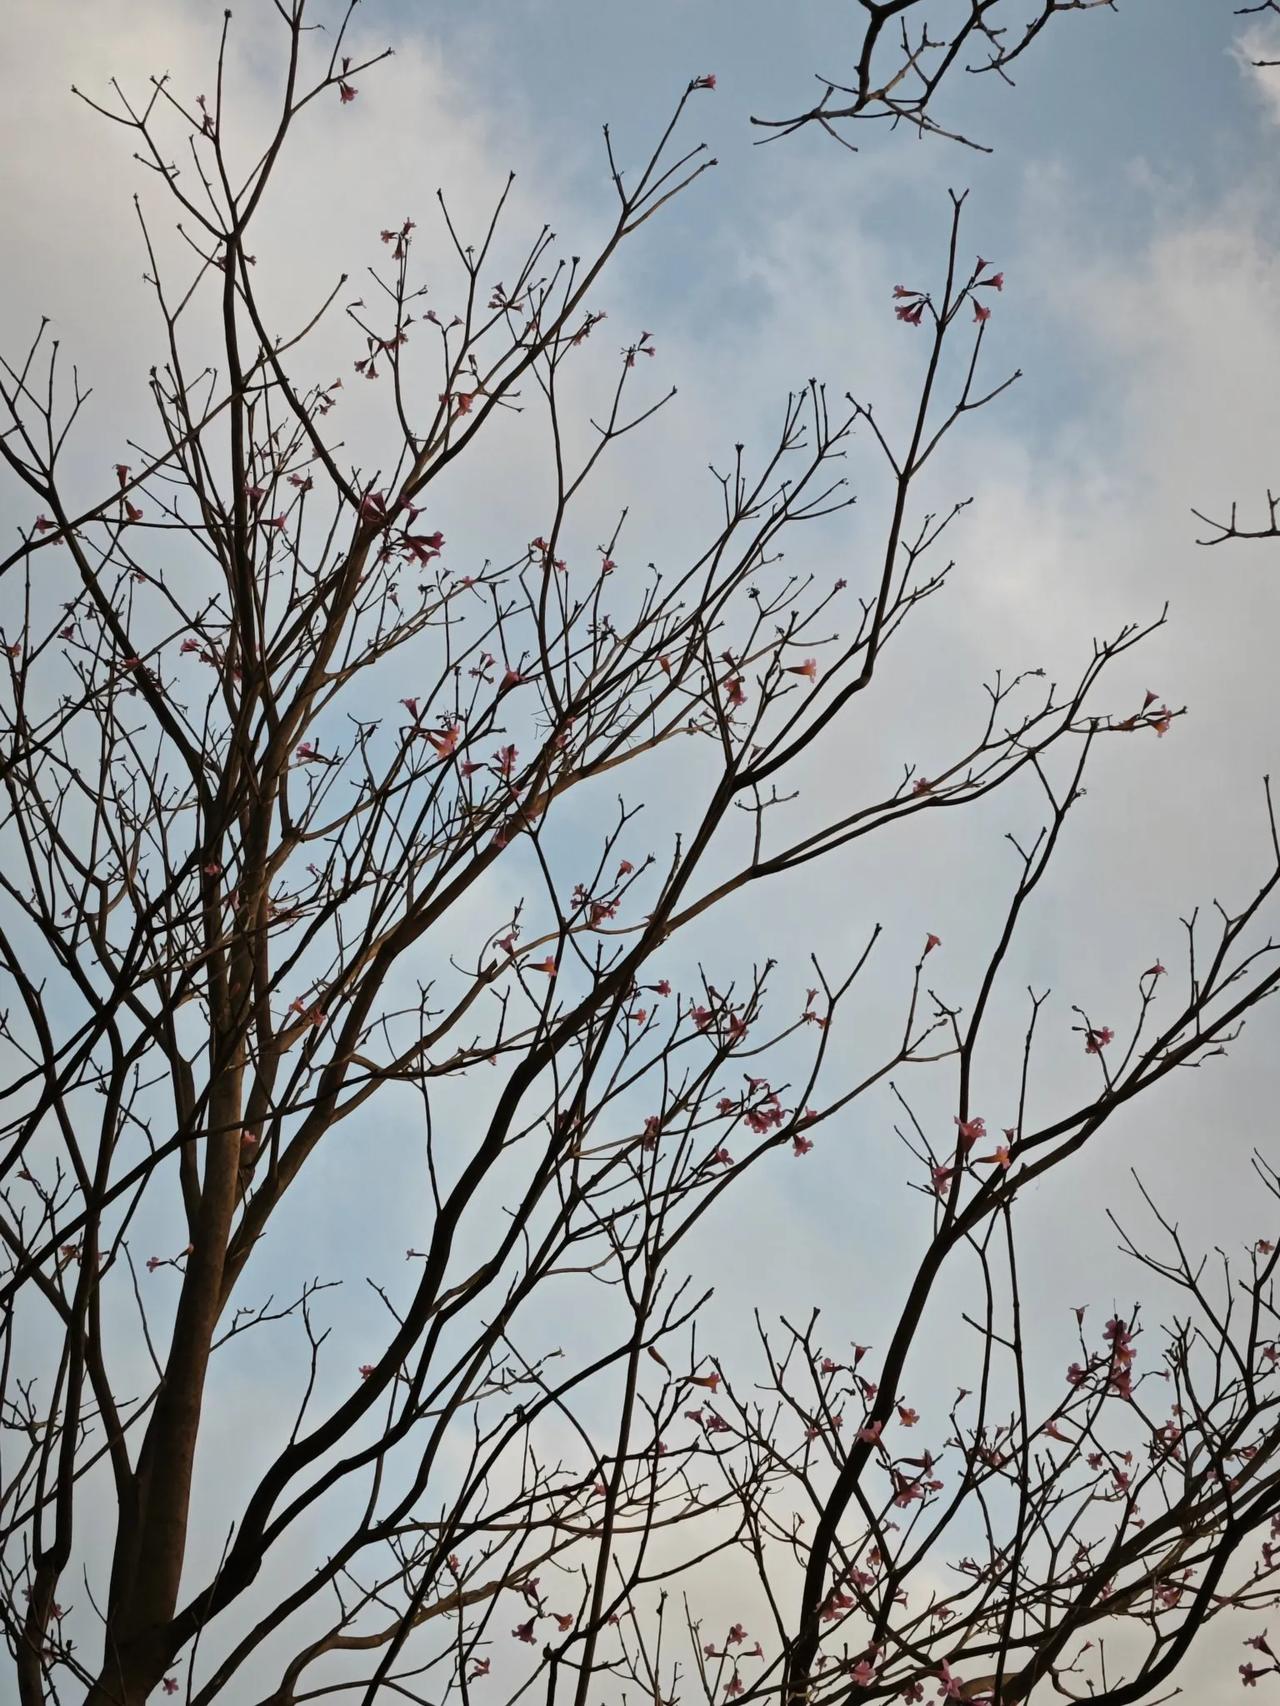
<point>1154,82</point>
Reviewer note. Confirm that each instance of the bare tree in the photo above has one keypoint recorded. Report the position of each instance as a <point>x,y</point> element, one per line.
<point>1221,531</point>
<point>242,887</point>
<point>900,66</point>
<point>1268,526</point>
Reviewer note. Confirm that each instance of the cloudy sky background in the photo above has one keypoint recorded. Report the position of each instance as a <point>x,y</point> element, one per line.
<point>1131,201</point>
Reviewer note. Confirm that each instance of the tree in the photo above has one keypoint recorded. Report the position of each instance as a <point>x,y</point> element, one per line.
<point>900,67</point>
<point>255,900</point>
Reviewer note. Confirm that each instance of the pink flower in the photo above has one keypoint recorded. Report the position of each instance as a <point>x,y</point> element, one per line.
<point>662,987</point>
<point>366,1369</point>
<point>941,1177</point>
<point>981,314</point>
<point>952,1686</point>
<point>734,690</point>
<point>863,1673</point>
<point>1157,970</point>
<point>1249,1676</point>
<point>524,1631</point>
<point>424,546</point>
<point>346,94</point>
<point>1096,1041</point>
<point>737,1635</point>
<point>564,1621</point>
<point>809,669</point>
<point>132,511</point>
<point>43,524</point>
<point>912,312</point>
<point>764,1118</point>
<point>971,1130</point>
<point>625,868</point>
<point>801,1145</point>
<point>512,678</point>
<point>837,1603</point>
<point>870,1435</point>
<point>445,740</point>
<point>734,1687</point>
<point>708,81</point>
<point>931,941</point>
<point>907,1491</point>
<point>921,786</point>
<point>907,1417</point>
<point>170,1685</point>
<point>547,966</point>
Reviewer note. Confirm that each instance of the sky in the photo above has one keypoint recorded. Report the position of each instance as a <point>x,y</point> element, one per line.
<point>1130,198</point>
